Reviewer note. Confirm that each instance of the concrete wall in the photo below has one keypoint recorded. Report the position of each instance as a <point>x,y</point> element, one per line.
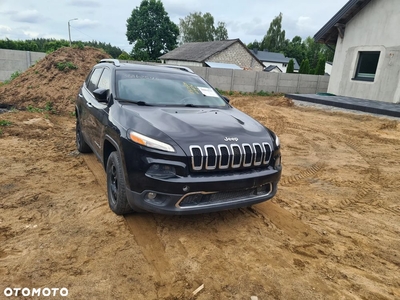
<point>252,81</point>
<point>374,28</point>
<point>15,60</point>
<point>223,79</point>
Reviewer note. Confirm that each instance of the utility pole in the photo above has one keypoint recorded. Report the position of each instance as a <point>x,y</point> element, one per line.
<point>69,30</point>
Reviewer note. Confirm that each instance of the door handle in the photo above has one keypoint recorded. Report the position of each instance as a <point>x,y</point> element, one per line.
<point>89,104</point>
<point>80,95</point>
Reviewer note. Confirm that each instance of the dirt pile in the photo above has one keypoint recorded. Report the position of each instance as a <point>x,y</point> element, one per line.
<point>53,82</point>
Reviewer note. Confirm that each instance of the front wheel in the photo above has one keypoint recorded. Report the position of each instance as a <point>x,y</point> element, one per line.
<point>116,189</point>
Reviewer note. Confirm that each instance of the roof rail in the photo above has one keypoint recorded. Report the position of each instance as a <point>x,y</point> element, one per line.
<point>182,68</point>
<point>108,60</point>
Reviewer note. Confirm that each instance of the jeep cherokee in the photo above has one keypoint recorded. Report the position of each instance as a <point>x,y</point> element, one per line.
<point>170,143</point>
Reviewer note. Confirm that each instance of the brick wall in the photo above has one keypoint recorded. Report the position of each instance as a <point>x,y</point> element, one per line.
<point>238,55</point>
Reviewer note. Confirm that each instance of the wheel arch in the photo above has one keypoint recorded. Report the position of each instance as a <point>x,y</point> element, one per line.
<point>109,146</point>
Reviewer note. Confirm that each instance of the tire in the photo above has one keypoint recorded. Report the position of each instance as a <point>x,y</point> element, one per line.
<point>81,144</point>
<point>116,189</point>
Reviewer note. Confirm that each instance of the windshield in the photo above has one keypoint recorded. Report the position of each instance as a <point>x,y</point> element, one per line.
<point>166,89</point>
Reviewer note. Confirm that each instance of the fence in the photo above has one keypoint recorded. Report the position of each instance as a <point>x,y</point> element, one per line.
<point>252,81</point>
<point>223,79</point>
<point>16,60</point>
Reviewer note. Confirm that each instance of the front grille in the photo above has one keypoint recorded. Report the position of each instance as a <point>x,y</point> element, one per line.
<point>200,199</point>
<point>233,156</point>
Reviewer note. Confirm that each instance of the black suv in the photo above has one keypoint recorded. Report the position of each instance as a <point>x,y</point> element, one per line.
<point>170,143</point>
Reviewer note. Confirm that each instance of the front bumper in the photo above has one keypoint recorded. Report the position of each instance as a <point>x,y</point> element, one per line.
<point>207,193</point>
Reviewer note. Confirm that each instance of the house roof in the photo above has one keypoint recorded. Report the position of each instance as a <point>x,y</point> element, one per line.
<point>271,67</point>
<point>201,51</point>
<point>266,56</point>
<point>329,33</point>
<point>198,51</point>
<point>222,65</point>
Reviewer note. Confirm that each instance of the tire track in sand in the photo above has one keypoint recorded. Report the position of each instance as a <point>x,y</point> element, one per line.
<point>142,226</point>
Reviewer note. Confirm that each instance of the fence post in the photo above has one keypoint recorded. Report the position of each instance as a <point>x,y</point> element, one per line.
<point>277,83</point>
<point>298,83</point>
<point>318,83</point>
<point>232,79</point>
<point>256,83</point>
<point>28,59</point>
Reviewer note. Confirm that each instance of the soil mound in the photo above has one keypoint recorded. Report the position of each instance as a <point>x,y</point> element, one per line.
<point>53,82</point>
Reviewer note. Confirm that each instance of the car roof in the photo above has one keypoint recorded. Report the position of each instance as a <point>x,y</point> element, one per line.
<point>139,67</point>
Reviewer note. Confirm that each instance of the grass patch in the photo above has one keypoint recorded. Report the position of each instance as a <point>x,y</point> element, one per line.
<point>47,108</point>
<point>66,66</point>
<point>5,123</point>
<point>12,77</point>
<point>33,109</point>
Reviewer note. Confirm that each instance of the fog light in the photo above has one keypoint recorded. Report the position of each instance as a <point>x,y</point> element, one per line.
<point>161,171</point>
<point>151,195</point>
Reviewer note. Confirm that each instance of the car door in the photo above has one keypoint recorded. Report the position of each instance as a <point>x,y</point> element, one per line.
<point>98,118</point>
<point>89,110</point>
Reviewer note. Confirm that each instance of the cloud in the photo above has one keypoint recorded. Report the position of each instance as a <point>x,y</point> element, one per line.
<point>85,23</point>
<point>30,34</point>
<point>85,3</point>
<point>27,16</point>
<point>5,29</point>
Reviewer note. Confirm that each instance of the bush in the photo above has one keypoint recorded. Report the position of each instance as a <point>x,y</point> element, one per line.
<point>12,77</point>
<point>66,66</point>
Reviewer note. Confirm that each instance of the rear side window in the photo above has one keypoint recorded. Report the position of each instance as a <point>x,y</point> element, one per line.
<point>94,79</point>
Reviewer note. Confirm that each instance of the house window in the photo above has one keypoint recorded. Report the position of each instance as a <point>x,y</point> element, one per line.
<point>367,65</point>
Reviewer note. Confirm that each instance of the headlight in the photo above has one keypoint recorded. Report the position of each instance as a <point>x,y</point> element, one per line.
<point>149,142</point>
<point>277,142</point>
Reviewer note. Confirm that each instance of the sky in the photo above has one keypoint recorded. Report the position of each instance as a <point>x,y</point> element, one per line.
<point>105,21</point>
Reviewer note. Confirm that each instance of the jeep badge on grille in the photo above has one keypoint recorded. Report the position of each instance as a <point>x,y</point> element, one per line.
<point>231,139</point>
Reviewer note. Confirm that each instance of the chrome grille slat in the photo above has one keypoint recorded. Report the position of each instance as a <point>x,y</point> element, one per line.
<point>258,154</point>
<point>222,164</point>
<point>234,156</point>
<point>211,157</point>
<point>197,166</point>
<point>247,155</point>
<point>267,153</point>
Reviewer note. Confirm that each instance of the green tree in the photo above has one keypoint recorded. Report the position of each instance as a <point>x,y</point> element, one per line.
<point>254,45</point>
<point>290,67</point>
<point>305,67</point>
<point>198,27</point>
<point>221,33</point>
<point>151,31</point>
<point>295,49</point>
<point>124,56</point>
<point>320,69</point>
<point>313,51</point>
<point>274,40</point>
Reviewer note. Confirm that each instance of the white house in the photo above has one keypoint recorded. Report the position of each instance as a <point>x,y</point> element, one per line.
<point>367,56</point>
<point>271,59</point>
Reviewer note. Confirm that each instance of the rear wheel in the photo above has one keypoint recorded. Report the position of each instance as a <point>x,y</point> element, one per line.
<point>81,144</point>
<point>116,189</point>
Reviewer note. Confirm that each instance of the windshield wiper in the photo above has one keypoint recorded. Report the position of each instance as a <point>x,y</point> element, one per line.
<point>140,103</point>
<point>194,105</point>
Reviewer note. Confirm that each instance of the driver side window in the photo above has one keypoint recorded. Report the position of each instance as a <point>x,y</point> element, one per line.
<point>105,80</point>
<point>94,79</point>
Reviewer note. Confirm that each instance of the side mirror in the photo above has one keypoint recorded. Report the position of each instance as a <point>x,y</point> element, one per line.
<point>101,95</point>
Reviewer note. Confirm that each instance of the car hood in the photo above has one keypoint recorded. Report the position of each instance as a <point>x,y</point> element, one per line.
<point>200,126</point>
